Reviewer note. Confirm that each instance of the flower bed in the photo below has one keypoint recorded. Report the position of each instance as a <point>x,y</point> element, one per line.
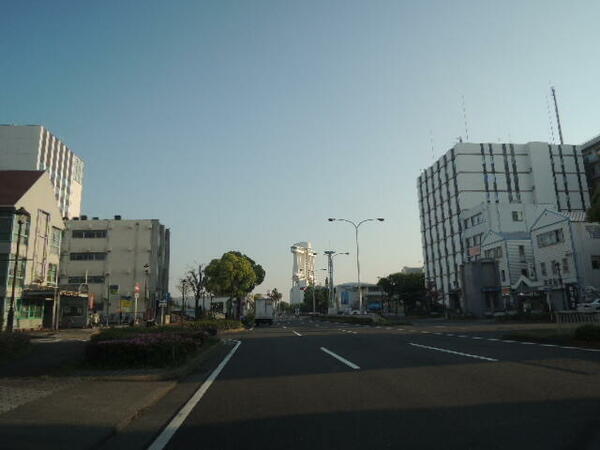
<point>143,347</point>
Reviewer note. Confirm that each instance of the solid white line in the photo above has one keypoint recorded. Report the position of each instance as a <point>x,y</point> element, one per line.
<point>453,352</point>
<point>476,337</point>
<point>163,439</point>
<point>493,339</point>
<point>339,358</point>
<point>284,327</point>
<point>296,333</point>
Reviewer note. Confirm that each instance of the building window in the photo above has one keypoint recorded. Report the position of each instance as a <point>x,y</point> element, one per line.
<point>6,222</point>
<point>52,274</point>
<point>88,256</point>
<point>55,241</point>
<point>517,216</point>
<point>524,272</point>
<point>565,265</point>
<point>550,238</point>
<point>555,267</point>
<point>503,274</point>
<point>543,269</point>
<point>466,223</point>
<point>596,262</point>
<point>88,234</point>
<point>522,253</point>
<point>494,253</point>
<point>477,239</point>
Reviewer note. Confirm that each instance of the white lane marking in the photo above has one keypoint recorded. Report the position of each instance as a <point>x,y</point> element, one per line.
<point>493,339</point>
<point>449,334</point>
<point>377,327</point>
<point>527,343</point>
<point>251,329</point>
<point>400,329</point>
<point>284,326</point>
<point>296,333</point>
<point>462,336</point>
<point>453,352</point>
<point>548,345</point>
<point>339,358</point>
<point>388,328</point>
<point>163,439</point>
<point>425,332</point>
<point>509,341</point>
<point>476,337</point>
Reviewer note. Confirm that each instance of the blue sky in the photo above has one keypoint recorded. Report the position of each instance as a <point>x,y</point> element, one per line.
<point>245,124</point>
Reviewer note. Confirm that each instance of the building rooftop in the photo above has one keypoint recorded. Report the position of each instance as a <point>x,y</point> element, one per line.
<point>15,183</point>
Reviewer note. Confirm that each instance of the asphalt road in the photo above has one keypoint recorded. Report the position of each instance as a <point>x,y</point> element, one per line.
<point>312,385</point>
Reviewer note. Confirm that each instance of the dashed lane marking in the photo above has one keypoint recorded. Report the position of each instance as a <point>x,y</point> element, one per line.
<point>340,358</point>
<point>485,358</point>
<point>296,333</point>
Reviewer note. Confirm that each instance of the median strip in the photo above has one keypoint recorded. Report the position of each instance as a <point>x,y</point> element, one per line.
<point>453,352</point>
<point>339,358</point>
<point>163,439</point>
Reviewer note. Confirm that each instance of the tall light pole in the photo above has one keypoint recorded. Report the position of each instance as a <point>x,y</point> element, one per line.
<point>330,255</point>
<point>146,273</point>
<point>356,227</point>
<point>22,216</point>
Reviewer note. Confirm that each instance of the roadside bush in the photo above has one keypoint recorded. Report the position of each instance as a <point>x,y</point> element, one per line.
<point>347,319</point>
<point>589,333</point>
<point>248,321</point>
<point>110,334</point>
<point>12,344</point>
<point>219,324</point>
<point>525,317</point>
<point>144,350</point>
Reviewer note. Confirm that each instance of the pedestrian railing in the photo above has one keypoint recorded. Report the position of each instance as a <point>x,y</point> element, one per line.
<point>568,319</point>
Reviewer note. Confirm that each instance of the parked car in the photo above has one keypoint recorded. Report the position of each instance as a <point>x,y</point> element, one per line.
<point>589,307</point>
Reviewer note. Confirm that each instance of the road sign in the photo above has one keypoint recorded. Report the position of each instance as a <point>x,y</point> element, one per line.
<point>136,295</point>
<point>136,289</point>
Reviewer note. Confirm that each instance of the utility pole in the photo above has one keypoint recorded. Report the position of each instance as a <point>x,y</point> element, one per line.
<point>21,213</point>
<point>330,255</point>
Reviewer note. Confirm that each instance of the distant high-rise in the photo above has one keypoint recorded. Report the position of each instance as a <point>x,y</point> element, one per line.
<point>303,270</point>
<point>33,147</point>
<point>508,175</point>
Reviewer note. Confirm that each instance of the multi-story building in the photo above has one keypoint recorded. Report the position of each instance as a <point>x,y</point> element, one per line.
<point>303,270</point>
<point>33,147</point>
<point>567,254</point>
<point>508,175</point>
<point>591,158</point>
<point>117,259</point>
<point>30,231</point>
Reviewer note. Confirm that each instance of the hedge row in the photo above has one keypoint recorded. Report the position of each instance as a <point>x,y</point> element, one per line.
<point>347,319</point>
<point>144,350</point>
<point>588,333</point>
<point>12,344</point>
<point>219,324</point>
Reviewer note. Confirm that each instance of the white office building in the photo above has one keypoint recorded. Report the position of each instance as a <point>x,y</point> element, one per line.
<point>509,178</point>
<point>33,147</point>
<point>116,259</point>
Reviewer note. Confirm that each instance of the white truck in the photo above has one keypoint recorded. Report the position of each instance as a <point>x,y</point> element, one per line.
<point>264,312</point>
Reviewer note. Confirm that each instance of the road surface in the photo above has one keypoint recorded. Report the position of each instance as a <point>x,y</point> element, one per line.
<point>304,384</point>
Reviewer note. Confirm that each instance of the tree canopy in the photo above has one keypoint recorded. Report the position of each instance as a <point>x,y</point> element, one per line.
<point>405,287</point>
<point>234,275</point>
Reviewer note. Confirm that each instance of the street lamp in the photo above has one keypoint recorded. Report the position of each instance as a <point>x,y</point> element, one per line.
<point>356,226</point>
<point>22,216</point>
<point>146,274</point>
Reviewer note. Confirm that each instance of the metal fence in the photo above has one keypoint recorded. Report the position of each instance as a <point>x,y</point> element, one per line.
<point>571,319</point>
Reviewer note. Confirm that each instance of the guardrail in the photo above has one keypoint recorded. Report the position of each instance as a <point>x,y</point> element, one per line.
<point>567,319</point>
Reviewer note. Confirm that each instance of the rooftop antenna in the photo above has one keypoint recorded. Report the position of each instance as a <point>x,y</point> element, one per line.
<point>432,147</point>
<point>550,120</point>
<point>557,116</point>
<point>464,108</point>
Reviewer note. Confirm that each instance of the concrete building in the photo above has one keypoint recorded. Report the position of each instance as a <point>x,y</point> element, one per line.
<point>508,175</point>
<point>591,158</point>
<point>35,289</point>
<point>303,270</point>
<point>117,259</point>
<point>567,254</point>
<point>346,297</point>
<point>33,147</point>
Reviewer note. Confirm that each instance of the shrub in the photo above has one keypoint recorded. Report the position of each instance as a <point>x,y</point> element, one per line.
<point>144,350</point>
<point>109,334</point>
<point>589,333</point>
<point>13,343</point>
<point>219,324</point>
<point>347,319</point>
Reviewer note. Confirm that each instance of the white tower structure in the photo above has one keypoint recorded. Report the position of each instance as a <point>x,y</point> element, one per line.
<point>303,270</point>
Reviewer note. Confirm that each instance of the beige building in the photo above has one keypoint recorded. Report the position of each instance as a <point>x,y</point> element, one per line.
<point>33,147</point>
<point>115,258</point>
<point>29,214</point>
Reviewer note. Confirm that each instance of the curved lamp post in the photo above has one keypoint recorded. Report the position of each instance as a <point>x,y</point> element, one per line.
<point>356,227</point>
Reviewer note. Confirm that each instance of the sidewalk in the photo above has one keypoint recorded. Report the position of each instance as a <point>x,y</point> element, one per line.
<point>46,402</point>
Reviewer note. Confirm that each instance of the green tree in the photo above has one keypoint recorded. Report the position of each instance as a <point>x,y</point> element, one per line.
<point>276,297</point>
<point>321,299</point>
<point>593,214</point>
<point>234,275</point>
<point>407,288</point>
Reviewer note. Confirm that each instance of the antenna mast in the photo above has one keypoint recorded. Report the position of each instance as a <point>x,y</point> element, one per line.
<point>465,117</point>
<point>557,116</point>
